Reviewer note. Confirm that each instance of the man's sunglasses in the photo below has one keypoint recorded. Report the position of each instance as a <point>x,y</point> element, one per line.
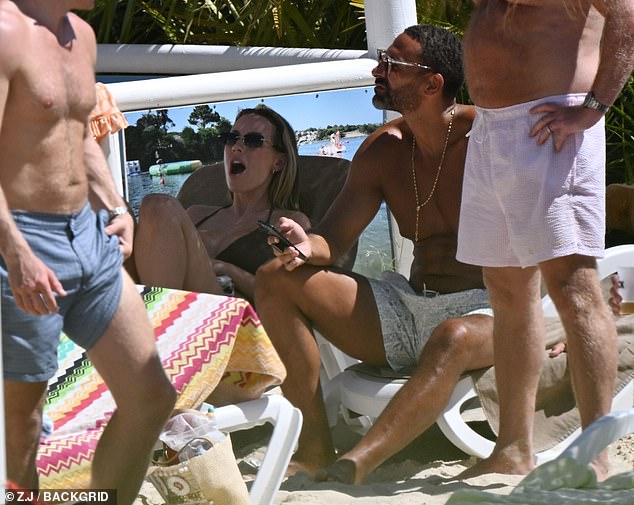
<point>251,140</point>
<point>383,58</point>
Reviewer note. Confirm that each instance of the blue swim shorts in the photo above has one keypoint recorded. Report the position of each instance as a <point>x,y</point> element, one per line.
<point>88,264</point>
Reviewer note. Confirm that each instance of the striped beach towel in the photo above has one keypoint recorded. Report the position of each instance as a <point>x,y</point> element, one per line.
<point>202,340</point>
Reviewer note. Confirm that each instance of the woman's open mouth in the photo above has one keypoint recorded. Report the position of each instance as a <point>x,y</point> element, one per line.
<point>237,168</point>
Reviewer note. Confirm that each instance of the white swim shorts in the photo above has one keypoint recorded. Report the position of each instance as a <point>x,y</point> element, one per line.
<point>523,203</point>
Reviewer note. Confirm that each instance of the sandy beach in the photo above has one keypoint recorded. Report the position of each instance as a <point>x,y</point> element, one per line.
<point>420,474</point>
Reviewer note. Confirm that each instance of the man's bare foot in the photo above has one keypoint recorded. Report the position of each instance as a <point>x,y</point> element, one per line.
<point>498,463</point>
<point>342,470</point>
<point>299,467</point>
<point>601,466</point>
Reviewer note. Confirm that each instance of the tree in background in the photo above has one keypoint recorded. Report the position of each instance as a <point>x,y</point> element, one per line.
<point>205,141</point>
<point>203,115</point>
<point>159,119</point>
<point>150,141</point>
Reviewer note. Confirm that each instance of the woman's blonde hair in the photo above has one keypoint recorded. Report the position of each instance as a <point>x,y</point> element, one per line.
<point>284,186</point>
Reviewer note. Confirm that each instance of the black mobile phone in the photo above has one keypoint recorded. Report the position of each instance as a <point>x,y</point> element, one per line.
<point>283,243</point>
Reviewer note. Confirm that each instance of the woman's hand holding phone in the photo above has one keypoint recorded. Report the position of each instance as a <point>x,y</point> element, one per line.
<point>289,242</point>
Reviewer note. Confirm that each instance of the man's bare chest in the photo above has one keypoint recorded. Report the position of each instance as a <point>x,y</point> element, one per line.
<point>429,198</point>
<point>54,84</point>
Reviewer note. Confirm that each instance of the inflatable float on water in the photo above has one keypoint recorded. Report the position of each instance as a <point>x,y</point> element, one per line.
<point>175,167</point>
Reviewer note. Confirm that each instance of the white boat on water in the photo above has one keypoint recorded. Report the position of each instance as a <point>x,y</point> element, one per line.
<point>331,150</point>
<point>335,148</point>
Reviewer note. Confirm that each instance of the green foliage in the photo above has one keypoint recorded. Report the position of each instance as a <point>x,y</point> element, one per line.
<point>203,115</point>
<point>159,119</point>
<point>620,137</point>
<point>149,140</point>
<point>286,23</point>
<point>452,14</point>
<point>324,133</point>
<point>294,23</point>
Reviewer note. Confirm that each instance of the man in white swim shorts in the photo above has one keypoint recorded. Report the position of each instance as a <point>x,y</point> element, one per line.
<point>64,231</point>
<point>414,164</point>
<point>542,75</point>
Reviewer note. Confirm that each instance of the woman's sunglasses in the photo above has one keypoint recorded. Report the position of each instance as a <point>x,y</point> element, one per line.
<point>251,140</point>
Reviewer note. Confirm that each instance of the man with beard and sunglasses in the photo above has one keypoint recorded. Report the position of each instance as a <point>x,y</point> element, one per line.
<point>415,165</point>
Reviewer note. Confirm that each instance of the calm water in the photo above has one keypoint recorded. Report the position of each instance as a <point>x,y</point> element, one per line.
<point>374,253</point>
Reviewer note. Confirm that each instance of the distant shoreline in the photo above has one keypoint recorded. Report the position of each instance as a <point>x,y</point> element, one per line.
<point>354,133</point>
<point>348,135</point>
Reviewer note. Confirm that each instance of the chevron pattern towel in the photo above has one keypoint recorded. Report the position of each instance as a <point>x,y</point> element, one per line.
<point>202,340</point>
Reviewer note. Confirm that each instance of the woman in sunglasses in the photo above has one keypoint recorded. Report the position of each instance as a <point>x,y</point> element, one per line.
<point>189,249</point>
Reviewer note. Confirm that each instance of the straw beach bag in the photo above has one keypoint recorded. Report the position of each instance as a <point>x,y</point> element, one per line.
<point>203,471</point>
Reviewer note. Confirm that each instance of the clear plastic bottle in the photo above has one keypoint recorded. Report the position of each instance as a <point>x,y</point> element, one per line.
<point>194,448</point>
<point>191,433</point>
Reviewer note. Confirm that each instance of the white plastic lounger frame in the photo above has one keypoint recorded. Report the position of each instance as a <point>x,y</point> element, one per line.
<point>287,423</point>
<point>368,396</point>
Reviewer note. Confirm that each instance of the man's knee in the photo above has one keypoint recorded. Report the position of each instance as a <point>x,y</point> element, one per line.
<point>158,396</point>
<point>452,340</point>
<point>272,280</point>
<point>23,429</point>
<point>23,423</point>
<point>573,285</point>
<point>512,286</point>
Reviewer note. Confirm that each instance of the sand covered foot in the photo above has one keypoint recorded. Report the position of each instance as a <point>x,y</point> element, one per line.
<point>497,463</point>
<point>301,468</point>
<point>343,470</point>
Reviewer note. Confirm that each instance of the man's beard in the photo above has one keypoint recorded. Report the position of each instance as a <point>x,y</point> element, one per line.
<point>401,100</point>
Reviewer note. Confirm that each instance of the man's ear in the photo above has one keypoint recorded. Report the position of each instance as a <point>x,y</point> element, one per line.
<point>435,84</point>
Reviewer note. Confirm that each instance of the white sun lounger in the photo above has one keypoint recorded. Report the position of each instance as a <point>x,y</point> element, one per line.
<point>369,395</point>
<point>287,423</point>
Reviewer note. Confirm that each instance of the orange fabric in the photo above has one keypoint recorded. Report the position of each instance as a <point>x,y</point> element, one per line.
<point>106,118</point>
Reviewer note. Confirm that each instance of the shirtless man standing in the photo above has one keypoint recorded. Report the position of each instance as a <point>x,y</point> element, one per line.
<point>414,164</point>
<point>542,73</point>
<point>61,261</point>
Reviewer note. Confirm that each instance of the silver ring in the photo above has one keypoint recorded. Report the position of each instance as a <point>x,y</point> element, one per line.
<point>549,129</point>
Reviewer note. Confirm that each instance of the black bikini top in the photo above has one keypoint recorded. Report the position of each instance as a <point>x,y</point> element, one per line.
<point>247,252</point>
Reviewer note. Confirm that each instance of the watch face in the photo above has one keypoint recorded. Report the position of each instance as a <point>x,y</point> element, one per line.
<point>118,211</point>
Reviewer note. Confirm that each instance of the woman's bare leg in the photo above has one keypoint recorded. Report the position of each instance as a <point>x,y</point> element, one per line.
<point>168,251</point>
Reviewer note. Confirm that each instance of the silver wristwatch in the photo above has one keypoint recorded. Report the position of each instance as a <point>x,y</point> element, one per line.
<point>592,103</point>
<point>117,211</point>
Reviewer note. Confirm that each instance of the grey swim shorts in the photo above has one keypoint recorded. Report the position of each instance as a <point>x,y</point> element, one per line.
<point>408,318</point>
<point>88,264</point>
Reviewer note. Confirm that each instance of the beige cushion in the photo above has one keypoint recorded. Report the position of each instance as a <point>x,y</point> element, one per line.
<point>320,180</point>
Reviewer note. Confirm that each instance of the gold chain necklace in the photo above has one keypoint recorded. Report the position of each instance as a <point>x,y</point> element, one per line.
<point>419,206</point>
